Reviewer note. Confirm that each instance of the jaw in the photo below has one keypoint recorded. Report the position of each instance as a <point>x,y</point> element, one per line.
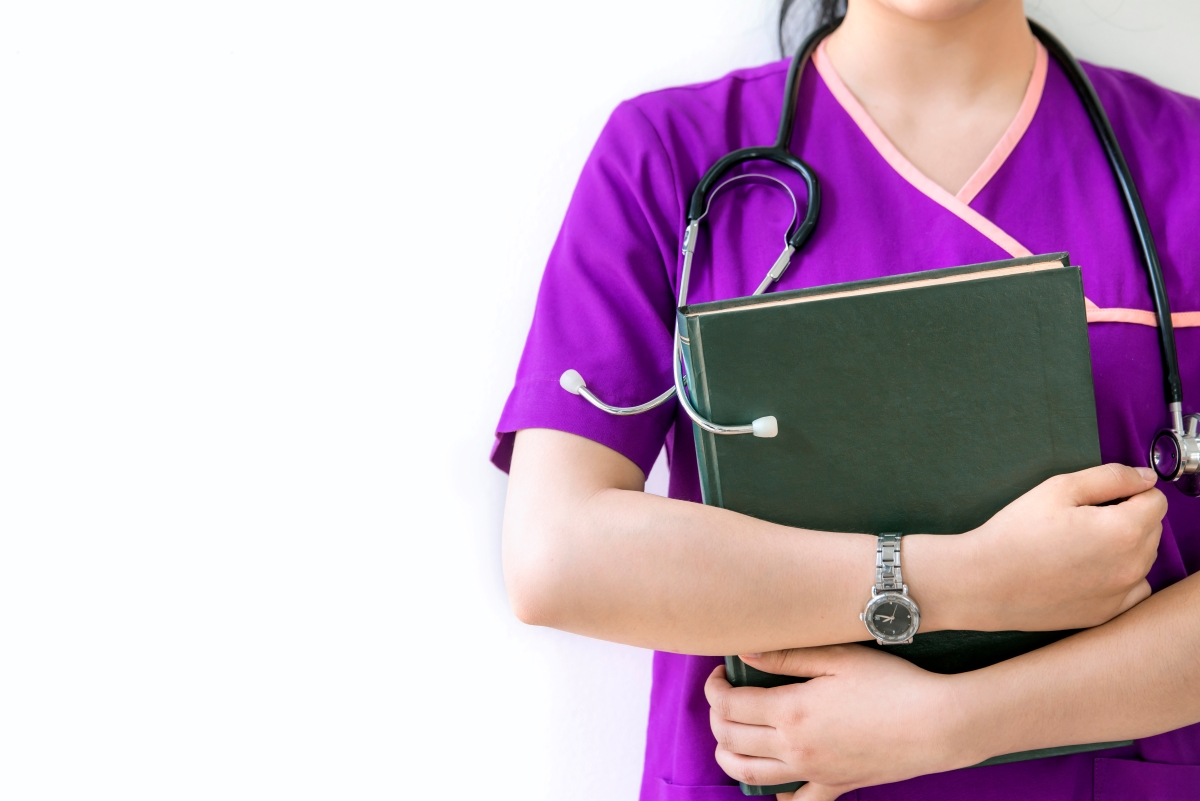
<point>933,10</point>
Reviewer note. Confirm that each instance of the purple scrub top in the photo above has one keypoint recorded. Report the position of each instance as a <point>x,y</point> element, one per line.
<point>606,306</point>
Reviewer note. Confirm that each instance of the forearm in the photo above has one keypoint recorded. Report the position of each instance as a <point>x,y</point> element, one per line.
<point>683,577</point>
<point>622,565</point>
<point>1135,676</point>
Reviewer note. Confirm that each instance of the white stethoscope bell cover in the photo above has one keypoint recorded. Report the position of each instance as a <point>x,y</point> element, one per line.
<point>571,381</point>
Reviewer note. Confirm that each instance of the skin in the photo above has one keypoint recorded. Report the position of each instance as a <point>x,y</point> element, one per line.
<point>586,551</point>
<point>1143,664</point>
<point>942,78</point>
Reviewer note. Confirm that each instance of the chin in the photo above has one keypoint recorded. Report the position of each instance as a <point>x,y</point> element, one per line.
<point>933,10</point>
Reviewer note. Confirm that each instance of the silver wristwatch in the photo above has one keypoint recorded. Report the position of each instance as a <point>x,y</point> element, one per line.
<point>891,615</point>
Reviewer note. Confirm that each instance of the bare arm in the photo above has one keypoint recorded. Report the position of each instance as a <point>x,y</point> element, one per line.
<point>1135,676</point>
<point>585,550</point>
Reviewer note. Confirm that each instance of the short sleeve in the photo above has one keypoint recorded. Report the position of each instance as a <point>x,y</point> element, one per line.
<point>606,304</point>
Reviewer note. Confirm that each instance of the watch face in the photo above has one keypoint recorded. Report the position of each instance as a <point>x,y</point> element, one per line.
<point>892,617</point>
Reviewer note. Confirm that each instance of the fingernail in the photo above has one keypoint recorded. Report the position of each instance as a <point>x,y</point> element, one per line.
<point>1147,473</point>
<point>751,656</point>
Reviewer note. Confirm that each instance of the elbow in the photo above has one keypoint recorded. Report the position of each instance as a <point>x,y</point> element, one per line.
<point>531,579</point>
<point>529,601</point>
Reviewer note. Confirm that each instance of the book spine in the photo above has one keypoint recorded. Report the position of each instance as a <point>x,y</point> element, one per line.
<point>1042,753</point>
<point>735,671</point>
<point>706,454</point>
<point>750,789</point>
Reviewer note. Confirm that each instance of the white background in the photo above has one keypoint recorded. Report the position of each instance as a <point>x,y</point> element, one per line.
<point>265,273</point>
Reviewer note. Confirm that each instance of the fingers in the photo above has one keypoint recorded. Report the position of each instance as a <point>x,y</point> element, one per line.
<point>1108,482</point>
<point>740,738</point>
<point>1150,504</point>
<point>1131,531</point>
<point>751,705</point>
<point>802,662</point>
<point>811,792</point>
<point>754,770</point>
<point>815,792</point>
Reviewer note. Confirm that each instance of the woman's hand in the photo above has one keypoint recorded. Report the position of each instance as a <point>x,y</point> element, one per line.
<point>1052,559</point>
<point>866,718</point>
<point>1055,559</point>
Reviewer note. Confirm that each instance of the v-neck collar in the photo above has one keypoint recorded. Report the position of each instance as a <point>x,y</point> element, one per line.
<point>959,204</point>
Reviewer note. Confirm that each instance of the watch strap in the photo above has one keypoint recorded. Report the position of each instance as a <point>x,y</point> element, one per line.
<point>887,564</point>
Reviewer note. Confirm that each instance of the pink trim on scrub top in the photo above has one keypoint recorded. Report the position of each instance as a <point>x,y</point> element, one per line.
<point>1095,314</point>
<point>907,170</point>
<point>1016,129</point>
<point>957,204</point>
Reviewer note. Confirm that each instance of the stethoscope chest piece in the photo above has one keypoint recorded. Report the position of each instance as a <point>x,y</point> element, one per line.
<point>1175,454</point>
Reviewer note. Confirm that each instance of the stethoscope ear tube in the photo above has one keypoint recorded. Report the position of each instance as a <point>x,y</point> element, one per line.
<point>766,427</point>
<point>573,382</point>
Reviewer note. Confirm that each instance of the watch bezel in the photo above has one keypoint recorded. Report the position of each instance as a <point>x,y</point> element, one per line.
<point>892,596</point>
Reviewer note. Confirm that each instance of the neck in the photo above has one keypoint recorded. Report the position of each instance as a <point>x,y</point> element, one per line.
<point>880,51</point>
<point>943,89</point>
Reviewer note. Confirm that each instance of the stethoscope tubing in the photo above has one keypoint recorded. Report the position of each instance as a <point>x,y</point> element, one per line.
<point>778,152</point>
<point>1133,205</point>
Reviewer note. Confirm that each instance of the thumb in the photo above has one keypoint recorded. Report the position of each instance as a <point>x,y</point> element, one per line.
<point>1108,482</point>
<point>812,792</point>
<point>1135,596</point>
<point>805,663</point>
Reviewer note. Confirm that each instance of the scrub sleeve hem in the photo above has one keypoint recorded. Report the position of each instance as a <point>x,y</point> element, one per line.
<point>542,403</point>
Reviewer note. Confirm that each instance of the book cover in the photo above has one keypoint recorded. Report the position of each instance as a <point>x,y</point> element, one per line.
<point>921,403</point>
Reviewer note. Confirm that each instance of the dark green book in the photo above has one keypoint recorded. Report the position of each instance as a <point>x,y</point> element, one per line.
<point>920,403</point>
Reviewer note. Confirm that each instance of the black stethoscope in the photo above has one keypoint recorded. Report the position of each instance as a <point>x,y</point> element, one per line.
<point>1174,452</point>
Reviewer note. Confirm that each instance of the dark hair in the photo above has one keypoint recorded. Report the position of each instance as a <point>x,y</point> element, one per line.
<point>798,19</point>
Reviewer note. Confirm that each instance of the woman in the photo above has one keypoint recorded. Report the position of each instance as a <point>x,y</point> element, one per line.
<point>943,135</point>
